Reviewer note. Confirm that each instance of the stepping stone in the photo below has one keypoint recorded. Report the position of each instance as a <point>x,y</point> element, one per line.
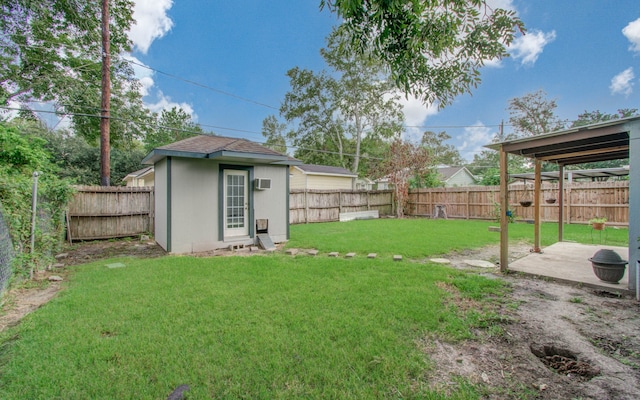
<point>480,263</point>
<point>397,258</point>
<point>292,252</point>
<point>254,249</point>
<point>55,278</point>
<point>440,260</point>
<point>115,265</point>
<point>334,254</point>
<point>494,229</point>
<point>61,255</point>
<point>312,252</point>
<point>350,255</point>
<point>57,265</point>
<point>372,255</point>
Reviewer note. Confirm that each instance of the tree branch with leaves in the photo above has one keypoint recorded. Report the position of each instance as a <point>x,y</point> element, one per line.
<point>434,49</point>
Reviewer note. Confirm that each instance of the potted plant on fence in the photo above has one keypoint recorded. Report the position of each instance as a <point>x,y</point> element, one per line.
<point>597,223</point>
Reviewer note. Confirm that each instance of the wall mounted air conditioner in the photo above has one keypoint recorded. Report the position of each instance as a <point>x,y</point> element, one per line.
<point>262,184</point>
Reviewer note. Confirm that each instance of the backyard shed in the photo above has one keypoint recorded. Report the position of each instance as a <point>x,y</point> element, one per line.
<point>611,140</point>
<point>214,192</point>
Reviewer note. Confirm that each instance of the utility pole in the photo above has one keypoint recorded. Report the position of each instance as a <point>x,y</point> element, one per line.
<point>105,149</point>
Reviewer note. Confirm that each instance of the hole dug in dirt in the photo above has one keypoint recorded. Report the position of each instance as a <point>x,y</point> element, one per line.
<point>564,361</point>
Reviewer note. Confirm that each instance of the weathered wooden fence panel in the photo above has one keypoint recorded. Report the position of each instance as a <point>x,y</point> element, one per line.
<point>326,205</point>
<point>107,212</point>
<point>582,201</point>
<point>97,212</point>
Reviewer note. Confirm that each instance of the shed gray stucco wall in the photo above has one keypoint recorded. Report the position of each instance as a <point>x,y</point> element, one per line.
<point>187,204</point>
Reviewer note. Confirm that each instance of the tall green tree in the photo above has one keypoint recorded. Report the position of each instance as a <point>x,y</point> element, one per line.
<point>319,135</point>
<point>274,132</point>
<point>334,113</point>
<point>74,159</point>
<point>593,117</point>
<point>434,49</point>
<point>441,152</point>
<point>533,114</point>
<point>50,51</point>
<point>364,95</point>
<point>171,126</point>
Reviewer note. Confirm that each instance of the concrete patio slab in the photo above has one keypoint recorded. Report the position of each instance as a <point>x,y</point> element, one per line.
<point>569,262</point>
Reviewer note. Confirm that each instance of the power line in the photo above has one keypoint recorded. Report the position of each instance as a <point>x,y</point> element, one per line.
<point>203,85</point>
<point>189,131</point>
<point>454,126</point>
<point>176,77</point>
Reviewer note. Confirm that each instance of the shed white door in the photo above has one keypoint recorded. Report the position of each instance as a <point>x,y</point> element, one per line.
<point>235,203</point>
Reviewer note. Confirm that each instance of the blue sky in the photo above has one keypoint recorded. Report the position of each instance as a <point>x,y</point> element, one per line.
<point>584,54</point>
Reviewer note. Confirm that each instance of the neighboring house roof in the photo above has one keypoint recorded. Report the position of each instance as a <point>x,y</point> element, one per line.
<point>219,147</point>
<point>449,172</point>
<point>138,174</point>
<point>312,169</point>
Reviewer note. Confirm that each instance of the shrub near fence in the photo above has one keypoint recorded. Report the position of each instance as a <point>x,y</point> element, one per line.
<point>582,201</point>
<point>97,212</point>
<point>326,205</point>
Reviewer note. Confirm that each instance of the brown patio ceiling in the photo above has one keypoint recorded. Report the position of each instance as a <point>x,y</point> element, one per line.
<point>598,142</point>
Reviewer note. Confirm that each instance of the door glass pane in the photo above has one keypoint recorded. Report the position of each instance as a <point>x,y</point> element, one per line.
<point>235,201</point>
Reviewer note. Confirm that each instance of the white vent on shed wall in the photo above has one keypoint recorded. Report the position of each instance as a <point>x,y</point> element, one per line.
<point>262,184</point>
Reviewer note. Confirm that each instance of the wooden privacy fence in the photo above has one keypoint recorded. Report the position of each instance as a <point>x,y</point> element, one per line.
<point>97,212</point>
<point>582,201</point>
<point>326,205</point>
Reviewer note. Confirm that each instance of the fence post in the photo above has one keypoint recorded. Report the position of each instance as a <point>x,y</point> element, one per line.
<point>34,203</point>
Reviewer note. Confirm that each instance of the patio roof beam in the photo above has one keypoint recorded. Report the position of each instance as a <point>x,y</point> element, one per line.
<point>599,151</point>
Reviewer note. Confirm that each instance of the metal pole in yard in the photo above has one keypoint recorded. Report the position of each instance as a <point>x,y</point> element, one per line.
<point>34,202</point>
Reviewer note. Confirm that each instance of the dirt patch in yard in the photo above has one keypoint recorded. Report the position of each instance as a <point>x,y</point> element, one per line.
<point>550,340</point>
<point>554,341</point>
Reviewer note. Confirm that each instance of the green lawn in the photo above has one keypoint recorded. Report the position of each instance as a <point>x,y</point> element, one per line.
<point>419,238</point>
<point>259,327</point>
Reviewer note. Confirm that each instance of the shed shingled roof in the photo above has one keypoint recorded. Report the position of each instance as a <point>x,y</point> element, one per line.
<point>209,146</point>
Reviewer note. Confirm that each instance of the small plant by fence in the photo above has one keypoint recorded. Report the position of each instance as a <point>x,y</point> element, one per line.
<point>326,205</point>
<point>97,212</point>
<point>582,201</point>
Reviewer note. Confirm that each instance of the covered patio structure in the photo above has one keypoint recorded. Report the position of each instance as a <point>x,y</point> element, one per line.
<point>605,141</point>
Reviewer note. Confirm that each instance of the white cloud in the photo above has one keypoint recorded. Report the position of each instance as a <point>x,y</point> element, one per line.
<point>147,89</point>
<point>144,75</point>
<point>623,82</point>
<point>415,113</point>
<point>473,139</point>
<point>504,4</point>
<point>151,23</point>
<point>632,32</point>
<point>165,103</point>
<point>529,47</point>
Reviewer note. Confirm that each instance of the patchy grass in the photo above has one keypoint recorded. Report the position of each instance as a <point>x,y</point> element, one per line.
<point>241,327</point>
